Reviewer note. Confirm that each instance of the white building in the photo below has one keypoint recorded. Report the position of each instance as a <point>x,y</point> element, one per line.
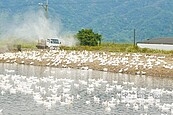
<point>157,43</point>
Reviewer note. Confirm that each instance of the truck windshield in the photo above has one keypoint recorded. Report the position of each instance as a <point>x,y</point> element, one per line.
<point>54,41</point>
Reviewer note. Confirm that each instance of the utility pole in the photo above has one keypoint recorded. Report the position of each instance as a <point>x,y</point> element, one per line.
<point>46,9</point>
<point>45,6</point>
<point>134,37</point>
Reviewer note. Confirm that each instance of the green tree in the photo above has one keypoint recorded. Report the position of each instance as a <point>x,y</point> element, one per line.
<point>88,38</point>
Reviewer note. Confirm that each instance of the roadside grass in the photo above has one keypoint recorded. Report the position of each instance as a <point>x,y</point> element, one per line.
<point>31,45</point>
<point>117,47</point>
<point>107,47</point>
<point>11,44</point>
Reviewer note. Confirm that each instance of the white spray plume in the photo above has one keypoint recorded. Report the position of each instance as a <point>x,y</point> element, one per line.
<point>32,26</point>
<point>69,40</point>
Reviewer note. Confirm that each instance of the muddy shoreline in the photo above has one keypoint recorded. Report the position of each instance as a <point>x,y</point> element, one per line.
<point>158,65</point>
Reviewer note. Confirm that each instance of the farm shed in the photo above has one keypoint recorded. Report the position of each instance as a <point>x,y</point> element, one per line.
<point>157,43</point>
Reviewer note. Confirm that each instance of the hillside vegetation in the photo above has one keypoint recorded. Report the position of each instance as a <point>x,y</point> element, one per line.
<point>114,19</point>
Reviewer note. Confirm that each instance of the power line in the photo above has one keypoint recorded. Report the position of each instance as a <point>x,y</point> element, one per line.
<point>60,3</point>
<point>91,2</point>
<point>21,5</point>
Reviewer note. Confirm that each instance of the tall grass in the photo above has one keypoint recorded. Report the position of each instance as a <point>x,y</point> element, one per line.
<point>12,43</point>
<point>107,47</point>
<point>117,47</point>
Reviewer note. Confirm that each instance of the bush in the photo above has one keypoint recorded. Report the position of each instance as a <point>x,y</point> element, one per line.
<point>88,38</point>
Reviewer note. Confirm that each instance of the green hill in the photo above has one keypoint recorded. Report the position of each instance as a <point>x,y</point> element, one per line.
<point>114,19</point>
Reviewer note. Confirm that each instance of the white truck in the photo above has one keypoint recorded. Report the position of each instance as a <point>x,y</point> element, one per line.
<point>51,43</point>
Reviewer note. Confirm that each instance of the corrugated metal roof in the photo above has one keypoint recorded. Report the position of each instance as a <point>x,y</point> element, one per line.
<point>158,41</point>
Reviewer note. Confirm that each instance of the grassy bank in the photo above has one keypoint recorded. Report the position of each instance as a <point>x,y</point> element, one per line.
<point>115,47</point>
<point>11,44</point>
<point>107,47</point>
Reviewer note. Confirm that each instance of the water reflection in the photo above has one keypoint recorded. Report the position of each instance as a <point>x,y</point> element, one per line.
<point>44,90</point>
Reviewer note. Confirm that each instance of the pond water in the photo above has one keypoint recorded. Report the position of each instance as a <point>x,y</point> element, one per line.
<point>36,90</point>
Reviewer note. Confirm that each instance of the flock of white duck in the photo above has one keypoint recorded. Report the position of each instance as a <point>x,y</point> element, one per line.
<point>67,92</point>
<point>51,91</point>
<point>138,63</point>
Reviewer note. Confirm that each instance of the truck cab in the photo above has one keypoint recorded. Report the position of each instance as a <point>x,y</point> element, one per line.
<point>53,42</point>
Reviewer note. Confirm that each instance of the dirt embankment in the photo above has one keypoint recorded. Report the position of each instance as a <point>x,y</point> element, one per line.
<point>130,63</point>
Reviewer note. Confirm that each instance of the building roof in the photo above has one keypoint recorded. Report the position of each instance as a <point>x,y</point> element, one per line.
<point>158,41</point>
